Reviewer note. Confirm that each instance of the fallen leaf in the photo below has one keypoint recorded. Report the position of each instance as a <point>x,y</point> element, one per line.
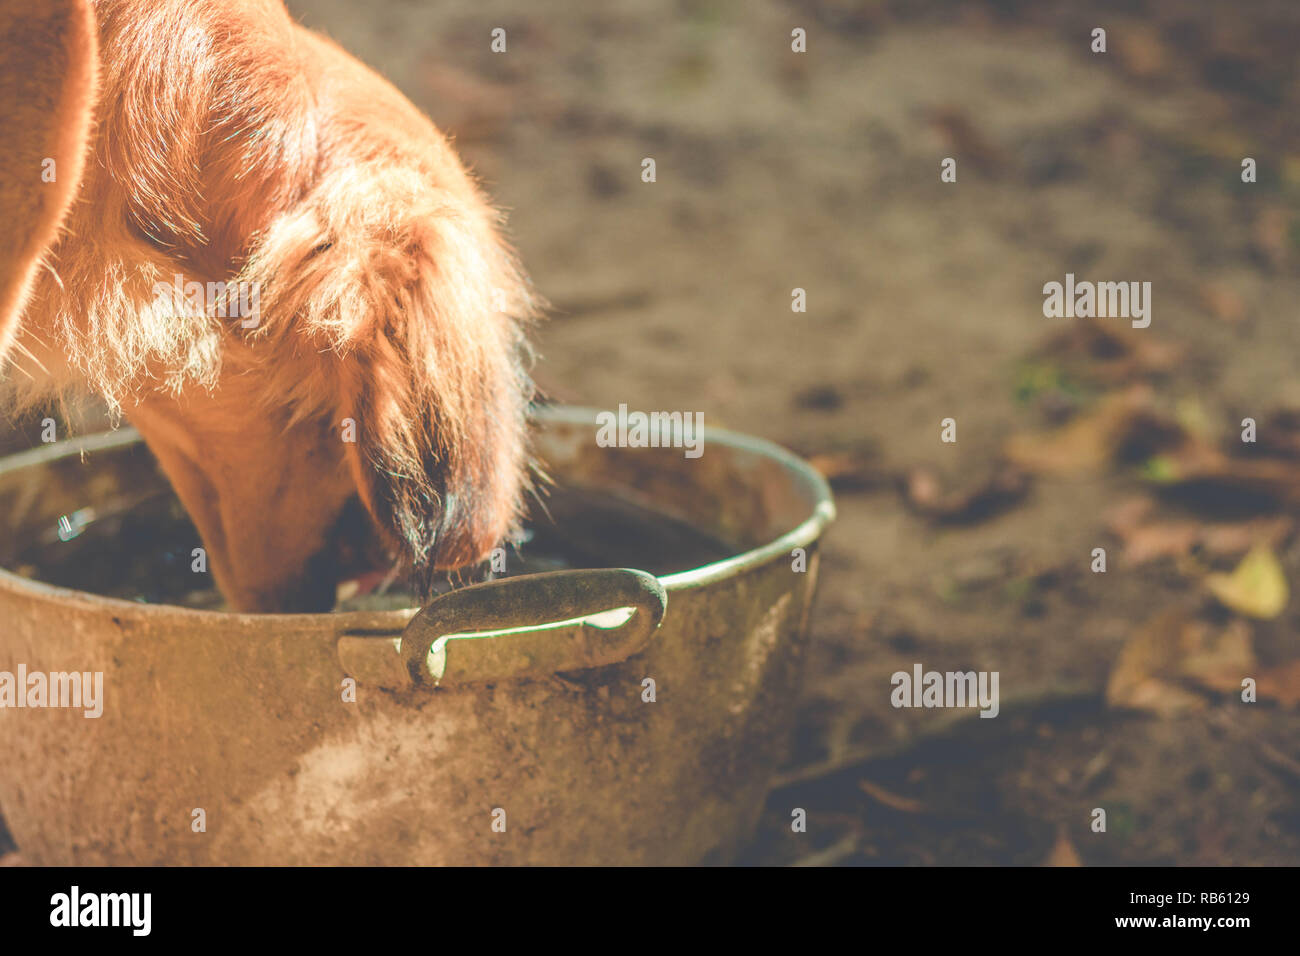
<point>1096,770</point>
<point>1198,463</point>
<point>1238,537</point>
<point>1218,660</point>
<point>1162,698</point>
<point>1128,514</point>
<point>1063,852</point>
<point>1281,683</point>
<point>1172,651</point>
<point>1257,588</point>
<point>1089,442</point>
<point>849,471</point>
<point>1112,353</point>
<point>1191,416</point>
<point>1160,539</point>
<point>1145,540</point>
<point>1000,490</point>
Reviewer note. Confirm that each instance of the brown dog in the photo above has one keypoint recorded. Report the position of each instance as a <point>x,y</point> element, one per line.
<point>235,152</point>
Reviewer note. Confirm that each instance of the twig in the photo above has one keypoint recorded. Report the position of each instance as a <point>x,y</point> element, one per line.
<point>838,851</point>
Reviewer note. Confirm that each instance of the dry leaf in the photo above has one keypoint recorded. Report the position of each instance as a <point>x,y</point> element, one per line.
<point>1281,683</point>
<point>848,471</point>
<point>1160,539</point>
<point>1198,463</point>
<point>1128,514</point>
<point>1003,488</point>
<point>1173,650</point>
<point>1257,588</point>
<point>1089,442</point>
<point>1238,537</point>
<point>1147,540</point>
<point>1218,661</point>
<point>1063,852</point>
<point>1113,353</point>
<point>1163,698</point>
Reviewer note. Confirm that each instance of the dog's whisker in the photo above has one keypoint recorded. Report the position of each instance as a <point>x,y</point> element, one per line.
<point>54,273</point>
<point>27,353</point>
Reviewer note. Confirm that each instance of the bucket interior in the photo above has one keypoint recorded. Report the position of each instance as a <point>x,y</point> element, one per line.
<point>97,515</point>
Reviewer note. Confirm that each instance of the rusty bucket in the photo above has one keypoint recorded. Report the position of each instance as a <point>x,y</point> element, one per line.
<point>530,720</point>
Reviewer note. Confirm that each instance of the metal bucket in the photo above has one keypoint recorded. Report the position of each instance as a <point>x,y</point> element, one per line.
<point>227,738</point>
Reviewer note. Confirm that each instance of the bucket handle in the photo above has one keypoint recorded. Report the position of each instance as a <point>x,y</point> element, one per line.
<point>489,632</point>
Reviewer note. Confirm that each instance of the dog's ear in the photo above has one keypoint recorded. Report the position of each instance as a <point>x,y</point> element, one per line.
<point>414,301</point>
<point>48,67</point>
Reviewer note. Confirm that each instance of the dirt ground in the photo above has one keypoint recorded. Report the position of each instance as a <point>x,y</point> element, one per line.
<point>821,171</point>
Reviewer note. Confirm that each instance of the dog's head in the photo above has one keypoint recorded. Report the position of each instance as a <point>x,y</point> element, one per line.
<point>282,274</point>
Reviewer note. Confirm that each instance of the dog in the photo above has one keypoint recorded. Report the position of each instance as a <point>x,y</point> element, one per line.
<point>205,147</point>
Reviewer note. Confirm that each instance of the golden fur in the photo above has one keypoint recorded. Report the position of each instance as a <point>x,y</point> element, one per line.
<point>233,146</point>
<point>46,91</point>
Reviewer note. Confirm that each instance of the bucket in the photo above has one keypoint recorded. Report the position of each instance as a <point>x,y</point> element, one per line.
<point>533,719</point>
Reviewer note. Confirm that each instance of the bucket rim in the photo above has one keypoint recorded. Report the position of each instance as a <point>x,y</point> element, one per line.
<point>386,622</point>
